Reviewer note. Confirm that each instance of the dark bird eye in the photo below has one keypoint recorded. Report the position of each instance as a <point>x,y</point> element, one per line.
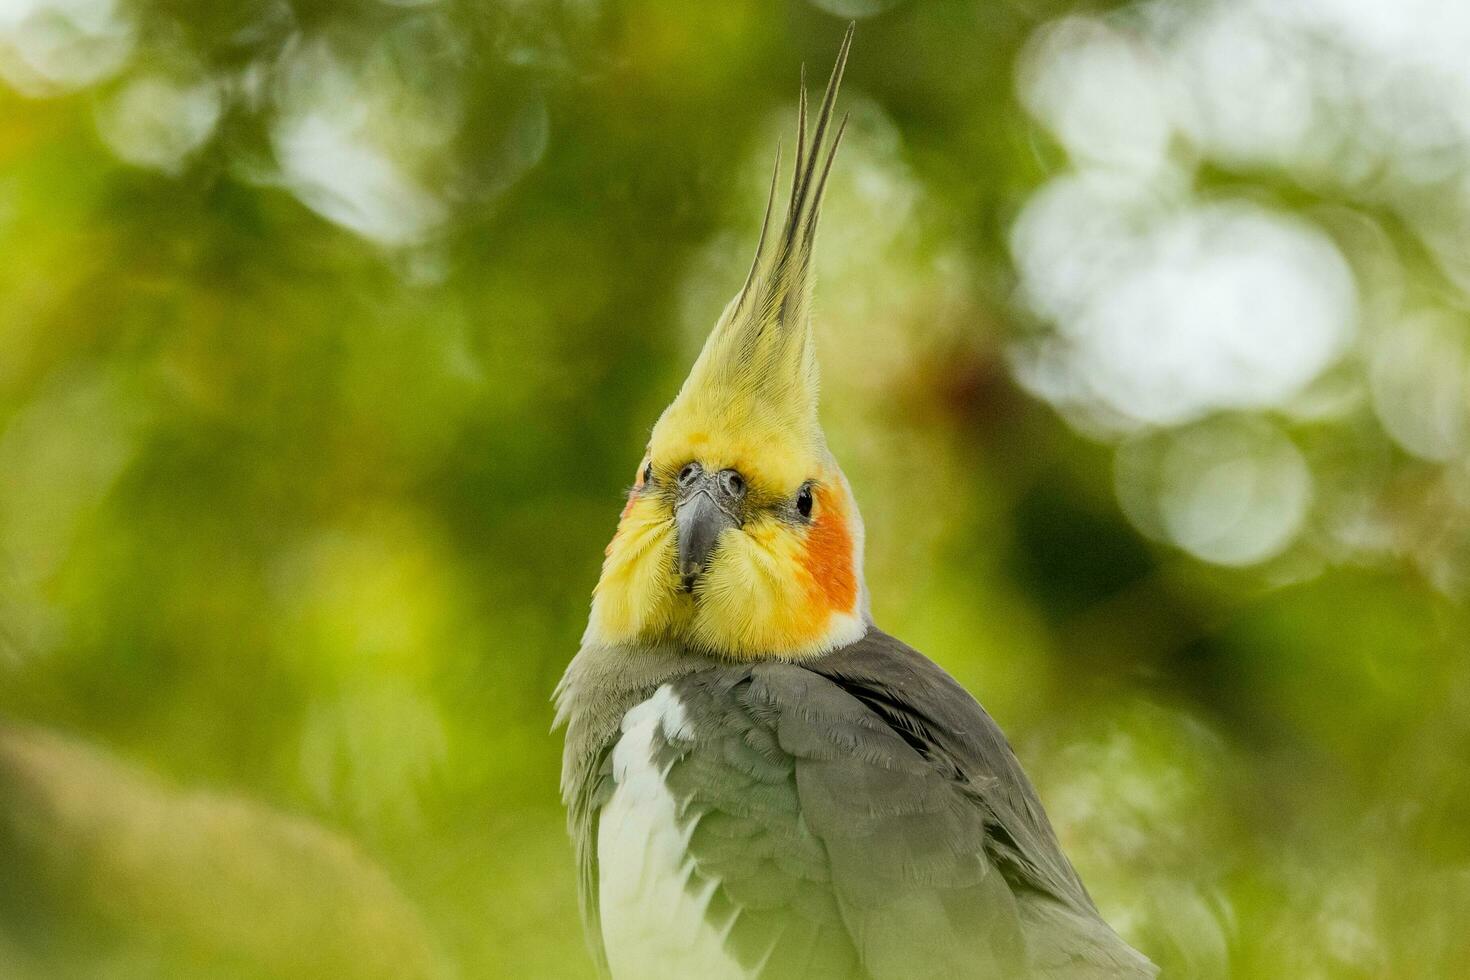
<point>648,473</point>
<point>804,501</point>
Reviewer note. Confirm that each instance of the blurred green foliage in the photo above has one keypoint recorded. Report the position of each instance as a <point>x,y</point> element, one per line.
<point>325,358</point>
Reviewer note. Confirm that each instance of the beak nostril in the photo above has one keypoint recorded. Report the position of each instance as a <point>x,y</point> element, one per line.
<point>689,472</point>
<point>734,484</point>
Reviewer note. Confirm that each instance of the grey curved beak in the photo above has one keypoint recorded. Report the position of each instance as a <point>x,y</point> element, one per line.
<point>698,524</point>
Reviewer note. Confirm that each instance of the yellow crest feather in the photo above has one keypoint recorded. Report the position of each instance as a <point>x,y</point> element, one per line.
<point>756,380</point>
<point>775,586</point>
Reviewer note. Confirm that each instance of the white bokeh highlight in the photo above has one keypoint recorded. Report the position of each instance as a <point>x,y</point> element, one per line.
<point>51,47</point>
<point>1255,260</point>
<point>1232,491</point>
<point>159,122</point>
<point>1102,93</point>
<point>1419,377</point>
<point>351,144</point>
<point>1164,318</point>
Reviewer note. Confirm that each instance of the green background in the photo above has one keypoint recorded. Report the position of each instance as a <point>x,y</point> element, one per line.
<point>303,490</point>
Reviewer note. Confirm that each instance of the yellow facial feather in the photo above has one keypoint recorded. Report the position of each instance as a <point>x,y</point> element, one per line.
<point>737,439</point>
<point>638,592</point>
<point>759,598</point>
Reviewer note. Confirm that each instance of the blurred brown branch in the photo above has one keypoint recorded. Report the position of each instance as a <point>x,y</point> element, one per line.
<point>200,876</point>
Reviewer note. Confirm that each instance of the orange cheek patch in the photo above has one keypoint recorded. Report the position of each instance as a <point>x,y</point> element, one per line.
<point>828,557</point>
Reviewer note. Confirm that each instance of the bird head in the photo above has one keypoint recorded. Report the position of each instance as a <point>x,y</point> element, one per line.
<point>740,536</point>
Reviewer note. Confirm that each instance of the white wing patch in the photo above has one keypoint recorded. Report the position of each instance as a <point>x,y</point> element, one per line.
<point>653,921</point>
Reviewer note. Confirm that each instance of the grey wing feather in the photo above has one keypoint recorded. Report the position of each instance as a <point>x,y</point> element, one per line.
<point>833,848</point>
<point>599,686</point>
<point>1065,935</point>
<point>737,790</point>
<point>593,789</point>
<point>853,815</point>
<point>917,893</point>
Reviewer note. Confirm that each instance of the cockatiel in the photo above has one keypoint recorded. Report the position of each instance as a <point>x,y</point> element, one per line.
<point>760,782</point>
